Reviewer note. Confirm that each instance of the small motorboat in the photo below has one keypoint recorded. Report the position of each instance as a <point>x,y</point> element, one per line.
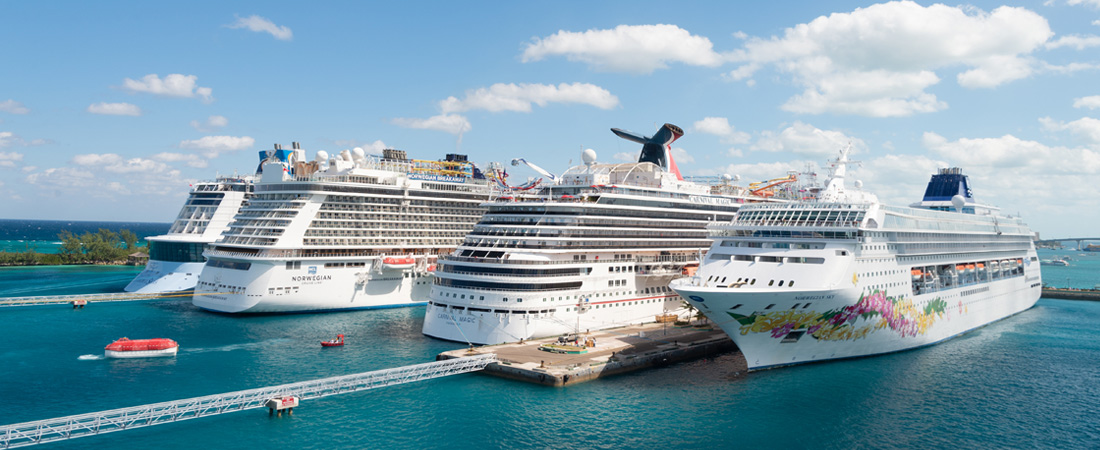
<point>141,348</point>
<point>338,342</point>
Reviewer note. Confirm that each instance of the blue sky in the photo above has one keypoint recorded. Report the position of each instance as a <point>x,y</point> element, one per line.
<point>109,110</point>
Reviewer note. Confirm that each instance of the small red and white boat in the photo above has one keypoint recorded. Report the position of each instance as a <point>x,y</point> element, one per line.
<point>141,348</point>
<point>338,342</point>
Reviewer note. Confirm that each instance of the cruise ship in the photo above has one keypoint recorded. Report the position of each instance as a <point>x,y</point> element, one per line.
<point>175,259</point>
<point>595,249</point>
<point>845,276</point>
<point>349,232</point>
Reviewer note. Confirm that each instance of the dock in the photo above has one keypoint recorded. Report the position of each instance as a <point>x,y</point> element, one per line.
<point>616,351</point>
<point>1072,294</point>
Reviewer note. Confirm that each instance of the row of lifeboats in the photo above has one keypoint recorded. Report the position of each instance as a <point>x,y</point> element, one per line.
<point>970,267</point>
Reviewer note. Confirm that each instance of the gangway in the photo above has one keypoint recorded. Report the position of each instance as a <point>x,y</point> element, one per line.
<point>82,425</point>
<point>111,297</point>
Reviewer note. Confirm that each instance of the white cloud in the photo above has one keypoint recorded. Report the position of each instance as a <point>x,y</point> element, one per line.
<point>173,85</point>
<point>627,157</point>
<point>877,61</point>
<point>212,123</point>
<point>191,160</point>
<point>1090,102</point>
<point>114,163</point>
<point>637,49</point>
<point>8,159</point>
<point>519,97</point>
<point>1010,152</point>
<point>805,139</point>
<point>8,139</point>
<point>450,123</point>
<point>14,107</point>
<point>211,146</point>
<point>1092,3</point>
<point>1077,42</point>
<point>371,148</point>
<point>1085,129</point>
<point>109,176</point>
<point>262,25</point>
<point>682,156</point>
<point>114,109</point>
<point>720,126</point>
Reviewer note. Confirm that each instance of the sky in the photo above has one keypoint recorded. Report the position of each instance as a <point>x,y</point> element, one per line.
<point>110,110</point>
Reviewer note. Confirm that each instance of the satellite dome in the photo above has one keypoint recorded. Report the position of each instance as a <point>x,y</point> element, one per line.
<point>727,177</point>
<point>588,156</point>
<point>958,201</point>
<point>859,184</point>
<point>321,156</point>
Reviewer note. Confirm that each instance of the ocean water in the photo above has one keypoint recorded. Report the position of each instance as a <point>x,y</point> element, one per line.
<point>1029,381</point>
<point>18,235</point>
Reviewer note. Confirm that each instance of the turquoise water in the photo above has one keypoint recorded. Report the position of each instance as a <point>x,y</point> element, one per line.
<point>1028,381</point>
<point>18,235</point>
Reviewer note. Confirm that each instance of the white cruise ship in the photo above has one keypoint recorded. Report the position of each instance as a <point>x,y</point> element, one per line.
<point>175,259</point>
<point>846,276</point>
<point>593,250</point>
<point>351,232</point>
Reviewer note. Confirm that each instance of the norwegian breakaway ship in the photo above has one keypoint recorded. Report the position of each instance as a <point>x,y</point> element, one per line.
<point>350,232</point>
<point>847,276</point>
<point>595,249</point>
<point>175,259</point>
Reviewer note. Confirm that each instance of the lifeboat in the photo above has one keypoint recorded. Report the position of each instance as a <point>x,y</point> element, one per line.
<point>431,267</point>
<point>398,263</point>
<point>969,267</point>
<point>981,265</point>
<point>916,273</point>
<point>141,348</point>
<point>960,267</point>
<point>338,342</point>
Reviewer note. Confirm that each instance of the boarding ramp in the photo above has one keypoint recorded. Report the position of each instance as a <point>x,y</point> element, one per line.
<point>71,427</point>
<point>89,298</point>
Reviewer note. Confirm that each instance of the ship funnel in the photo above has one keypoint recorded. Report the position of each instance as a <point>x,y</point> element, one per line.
<point>657,148</point>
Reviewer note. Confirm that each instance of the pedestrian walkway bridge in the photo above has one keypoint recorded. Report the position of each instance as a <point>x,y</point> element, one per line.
<point>71,427</point>
<point>89,298</point>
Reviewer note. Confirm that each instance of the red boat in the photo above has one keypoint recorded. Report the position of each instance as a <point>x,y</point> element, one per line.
<point>338,342</point>
<point>141,348</point>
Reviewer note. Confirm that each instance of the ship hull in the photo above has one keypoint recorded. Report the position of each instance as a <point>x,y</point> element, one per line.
<point>848,323</point>
<point>268,288</point>
<point>166,276</point>
<point>141,353</point>
<point>486,326</point>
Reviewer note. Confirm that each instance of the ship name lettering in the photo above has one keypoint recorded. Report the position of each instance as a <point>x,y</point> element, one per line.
<point>311,278</point>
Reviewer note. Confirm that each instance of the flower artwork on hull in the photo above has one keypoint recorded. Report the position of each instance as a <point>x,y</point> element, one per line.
<point>871,313</point>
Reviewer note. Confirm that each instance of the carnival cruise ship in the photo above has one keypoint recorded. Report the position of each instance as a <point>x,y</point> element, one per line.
<point>594,249</point>
<point>350,232</point>
<point>847,276</point>
<point>175,259</point>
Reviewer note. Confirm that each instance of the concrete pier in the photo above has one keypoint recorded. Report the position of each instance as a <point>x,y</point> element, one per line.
<point>1071,294</point>
<point>616,351</point>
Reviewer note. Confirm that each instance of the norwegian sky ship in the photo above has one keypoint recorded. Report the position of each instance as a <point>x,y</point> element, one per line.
<point>594,249</point>
<point>350,232</point>
<point>846,276</point>
<point>175,259</point>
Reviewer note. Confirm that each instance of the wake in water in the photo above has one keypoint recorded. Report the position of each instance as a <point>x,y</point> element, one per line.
<point>91,357</point>
<point>231,347</point>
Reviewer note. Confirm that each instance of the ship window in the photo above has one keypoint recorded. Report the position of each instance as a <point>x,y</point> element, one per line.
<point>505,298</point>
<point>769,306</point>
<point>753,281</point>
<point>791,284</point>
<point>780,283</point>
<point>737,306</point>
<point>807,305</point>
<point>795,306</point>
<point>771,282</point>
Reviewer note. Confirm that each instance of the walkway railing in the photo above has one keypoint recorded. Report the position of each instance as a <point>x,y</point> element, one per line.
<point>82,425</point>
<point>113,297</point>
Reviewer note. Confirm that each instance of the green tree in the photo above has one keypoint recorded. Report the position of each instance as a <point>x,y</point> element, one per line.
<point>71,249</point>
<point>129,238</point>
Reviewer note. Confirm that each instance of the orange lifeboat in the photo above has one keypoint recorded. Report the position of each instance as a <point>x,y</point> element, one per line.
<point>390,262</point>
<point>141,348</point>
<point>338,342</point>
<point>960,267</point>
<point>916,272</point>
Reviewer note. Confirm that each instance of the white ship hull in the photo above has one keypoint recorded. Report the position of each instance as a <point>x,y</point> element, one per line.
<point>166,276</point>
<point>854,322</point>
<point>141,353</point>
<point>268,287</point>
<point>472,325</point>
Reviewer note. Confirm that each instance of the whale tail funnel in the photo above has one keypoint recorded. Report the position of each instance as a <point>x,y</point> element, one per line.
<point>656,149</point>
